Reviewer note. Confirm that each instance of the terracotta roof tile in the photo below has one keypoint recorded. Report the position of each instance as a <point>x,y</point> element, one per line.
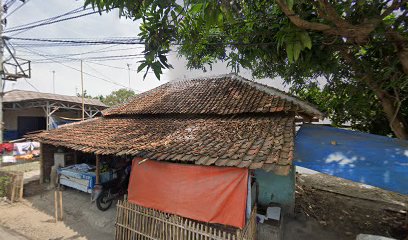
<point>223,95</point>
<point>252,142</point>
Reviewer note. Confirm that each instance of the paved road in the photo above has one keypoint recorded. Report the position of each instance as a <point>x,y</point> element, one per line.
<point>8,234</point>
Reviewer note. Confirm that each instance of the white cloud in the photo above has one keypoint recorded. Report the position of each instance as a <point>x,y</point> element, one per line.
<point>341,159</point>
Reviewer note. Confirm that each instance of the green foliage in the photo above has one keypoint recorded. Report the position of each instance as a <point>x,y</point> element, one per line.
<point>86,95</point>
<point>259,35</point>
<point>348,105</point>
<point>4,184</point>
<point>118,97</point>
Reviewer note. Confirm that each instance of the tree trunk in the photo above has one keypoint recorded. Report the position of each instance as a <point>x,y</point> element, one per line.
<point>401,48</point>
<point>396,120</point>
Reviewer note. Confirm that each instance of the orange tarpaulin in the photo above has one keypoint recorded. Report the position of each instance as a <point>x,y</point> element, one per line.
<point>207,194</point>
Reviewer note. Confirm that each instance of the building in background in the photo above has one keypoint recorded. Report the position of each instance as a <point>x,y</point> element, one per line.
<point>27,111</point>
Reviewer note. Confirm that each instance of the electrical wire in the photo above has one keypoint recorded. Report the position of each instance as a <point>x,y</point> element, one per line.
<point>78,70</point>
<point>25,79</point>
<point>10,3</point>
<point>122,40</point>
<point>17,8</point>
<point>106,76</point>
<point>76,10</point>
<point>50,22</point>
<point>66,56</point>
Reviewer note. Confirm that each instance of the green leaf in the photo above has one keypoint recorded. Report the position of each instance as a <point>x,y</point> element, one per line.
<point>289,52</point>
<point>196,8</point>
<point>306,40</point>
<point>157,69</point>
<point>290,3</point>
<point>141,66</point>
<point>297,47</point>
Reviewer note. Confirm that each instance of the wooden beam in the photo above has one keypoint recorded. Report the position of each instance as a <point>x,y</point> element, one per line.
<point>41,163</point>
<point>75,156</point>
<point>98,170</point>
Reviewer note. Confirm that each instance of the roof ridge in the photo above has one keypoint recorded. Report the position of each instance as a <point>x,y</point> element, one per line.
<point>282,94</point>
<point>289,102</point>
<point>262,87</point>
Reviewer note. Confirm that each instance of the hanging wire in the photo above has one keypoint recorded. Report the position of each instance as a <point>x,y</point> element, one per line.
<point>17,8</point>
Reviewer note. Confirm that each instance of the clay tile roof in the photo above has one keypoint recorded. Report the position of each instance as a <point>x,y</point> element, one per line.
<point>265,142</point>
<point>222,95</point>
<point>222,121</point>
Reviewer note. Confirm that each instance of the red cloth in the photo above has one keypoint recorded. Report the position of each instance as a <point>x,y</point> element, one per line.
<point>8,147</point>
<point>203,193</point>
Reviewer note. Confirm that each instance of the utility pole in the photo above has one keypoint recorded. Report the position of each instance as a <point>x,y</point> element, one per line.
<point>1,73</point>
<point>128,65</point>
<point>53,81</point>
<point>82,89</point>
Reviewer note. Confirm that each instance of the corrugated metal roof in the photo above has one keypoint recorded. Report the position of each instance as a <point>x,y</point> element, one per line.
<point>23,95</point>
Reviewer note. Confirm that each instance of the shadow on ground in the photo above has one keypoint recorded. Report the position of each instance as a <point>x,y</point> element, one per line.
<point>80,213</point>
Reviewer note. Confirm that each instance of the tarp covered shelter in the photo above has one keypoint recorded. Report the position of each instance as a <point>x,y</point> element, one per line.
<point>203,193</point>
<point>361,157</point>
<point>224,121</point>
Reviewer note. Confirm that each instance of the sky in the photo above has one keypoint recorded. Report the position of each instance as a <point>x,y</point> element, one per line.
<point>67,74</point>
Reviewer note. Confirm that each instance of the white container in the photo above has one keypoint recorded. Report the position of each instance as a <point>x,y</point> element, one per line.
<point>59,159</point>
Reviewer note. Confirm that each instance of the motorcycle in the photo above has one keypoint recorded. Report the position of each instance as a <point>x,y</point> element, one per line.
<point>113,189</point>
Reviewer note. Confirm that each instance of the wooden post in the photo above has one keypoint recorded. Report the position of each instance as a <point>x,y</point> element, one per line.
<point>60,205</point>
<point>56,205</point>
<point>21,179</point>
<point>98,170</point>
<point>75,157</point>
<point>41,163</point>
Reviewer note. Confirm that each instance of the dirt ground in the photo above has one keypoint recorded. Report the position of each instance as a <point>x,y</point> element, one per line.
<point>345,209</point>
<point>80,214</point>
<point>33,218</point>
<point>26,222</point>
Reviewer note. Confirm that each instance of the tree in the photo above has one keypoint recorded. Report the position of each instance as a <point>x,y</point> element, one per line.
<point>118,97</point>
<point>86,95</point>
<point>359,47</point>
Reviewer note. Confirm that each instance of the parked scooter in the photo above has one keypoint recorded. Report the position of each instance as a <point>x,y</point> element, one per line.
<point>113,189</point>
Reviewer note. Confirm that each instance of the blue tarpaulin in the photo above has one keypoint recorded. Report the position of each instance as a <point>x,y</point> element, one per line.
<point>371,159</point>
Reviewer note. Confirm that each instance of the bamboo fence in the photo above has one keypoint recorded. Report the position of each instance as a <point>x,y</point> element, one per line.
<point>135,222</point>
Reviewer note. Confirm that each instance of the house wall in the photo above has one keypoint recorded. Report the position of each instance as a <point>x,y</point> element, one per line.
<point>11,116</point>
<point>275,189</point>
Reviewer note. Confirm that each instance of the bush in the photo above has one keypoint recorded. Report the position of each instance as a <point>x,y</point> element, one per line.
<point>4,183</point>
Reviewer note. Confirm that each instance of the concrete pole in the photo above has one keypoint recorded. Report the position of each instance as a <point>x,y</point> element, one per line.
<point>53,81</point>
<point>82,89</point>
<point>1,74</point>
<point>128,65</point>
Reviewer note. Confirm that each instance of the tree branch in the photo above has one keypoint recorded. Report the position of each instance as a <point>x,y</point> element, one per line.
<point>394,6</point>
<point>299,22</point>
<point>359,33</point>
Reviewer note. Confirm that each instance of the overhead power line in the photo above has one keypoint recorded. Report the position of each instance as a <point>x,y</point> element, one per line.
<point>76,10</point>
<point>93,52</point>
<point>129,40</point>
<point>10,3</point>
<point>49,22</point>
<point>17,8</point>
<point>78,70</point>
